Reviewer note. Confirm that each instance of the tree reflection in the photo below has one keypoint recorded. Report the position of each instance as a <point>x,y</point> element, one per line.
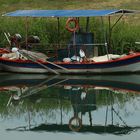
<point>67,104</point>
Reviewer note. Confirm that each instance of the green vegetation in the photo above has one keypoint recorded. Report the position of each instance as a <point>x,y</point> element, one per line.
<point>56,98</point>
<point>126,32</point>
<point>10,5</point>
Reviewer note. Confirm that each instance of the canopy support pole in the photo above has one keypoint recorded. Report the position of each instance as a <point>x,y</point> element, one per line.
<point>87,25</point>
<point>105,44</point>
<point>74,43</point>
<point>110,34</point>
<point>26,33</point>
<point>58,30</point>
<point>116,22</point>
<point>58,37</point>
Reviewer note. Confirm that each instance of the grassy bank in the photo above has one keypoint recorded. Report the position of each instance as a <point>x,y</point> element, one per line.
<point>127,31</point>
<point>10,5</point>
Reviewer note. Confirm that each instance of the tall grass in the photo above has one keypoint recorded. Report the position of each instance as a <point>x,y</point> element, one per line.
<point>46,29</point>
<point>10,5</point>
<point>125,32</point>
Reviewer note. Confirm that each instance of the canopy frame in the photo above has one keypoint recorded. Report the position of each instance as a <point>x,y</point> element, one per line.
<point>66,13</point>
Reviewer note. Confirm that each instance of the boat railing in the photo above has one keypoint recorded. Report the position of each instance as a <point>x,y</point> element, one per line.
<point>62,45</point>
<point>69,50</point>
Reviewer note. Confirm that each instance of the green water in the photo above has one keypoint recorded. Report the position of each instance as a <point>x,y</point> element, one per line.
<point>69,107</point>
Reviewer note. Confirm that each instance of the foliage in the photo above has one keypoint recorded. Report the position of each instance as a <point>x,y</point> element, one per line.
<point>46,29</point>
<point>52,99</point>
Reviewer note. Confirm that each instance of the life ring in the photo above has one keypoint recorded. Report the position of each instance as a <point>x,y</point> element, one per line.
<point>75,21</point>
<point>74,127</point>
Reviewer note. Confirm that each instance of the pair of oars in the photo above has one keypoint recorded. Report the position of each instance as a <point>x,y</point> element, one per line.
<point>40,87</point>
<point>35,59</point>
<point>35,89</point>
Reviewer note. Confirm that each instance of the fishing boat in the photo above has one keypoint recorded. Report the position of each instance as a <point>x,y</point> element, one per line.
<point>79,61</point>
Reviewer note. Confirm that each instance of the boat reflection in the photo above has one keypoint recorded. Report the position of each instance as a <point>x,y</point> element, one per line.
<point>73,102</point>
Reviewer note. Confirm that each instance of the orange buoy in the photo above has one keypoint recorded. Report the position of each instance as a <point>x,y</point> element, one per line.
<point>72,20</point>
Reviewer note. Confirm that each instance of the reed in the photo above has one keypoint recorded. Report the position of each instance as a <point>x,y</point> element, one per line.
<point>124,38</point>
<point>124,35</point>
<point>46,29</point>
<point>10,5</point>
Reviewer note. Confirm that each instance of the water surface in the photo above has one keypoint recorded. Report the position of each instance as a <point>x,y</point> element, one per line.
<point>69,107</point>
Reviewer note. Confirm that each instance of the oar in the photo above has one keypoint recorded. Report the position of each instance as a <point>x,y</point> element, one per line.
<point>35,60</point>
<point>38,88</point>
<point>9,101</point>
<point>50,62</point>
<point>7,38</point>
<point>34,88</point>
<point>58,66</point>
<point>61,81</point>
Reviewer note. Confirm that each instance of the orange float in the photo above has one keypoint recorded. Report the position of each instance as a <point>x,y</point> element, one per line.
<point>72,20</point>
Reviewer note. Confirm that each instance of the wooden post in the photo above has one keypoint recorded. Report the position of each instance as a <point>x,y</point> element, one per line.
<point>109,39</point>
<point>58,30</point>
<point>58,36</point>
<point>26,32</point>
<point>87,25</point>
<point>95,49</point>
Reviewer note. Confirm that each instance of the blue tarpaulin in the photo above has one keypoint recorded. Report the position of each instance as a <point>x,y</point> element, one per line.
<point>64,13</point>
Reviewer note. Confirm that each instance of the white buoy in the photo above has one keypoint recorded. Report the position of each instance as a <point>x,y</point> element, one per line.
<point>82,53</point>
<point>14,49</point>
<point>83,95</point>
<point>16,97</point>
<point>66,60</point>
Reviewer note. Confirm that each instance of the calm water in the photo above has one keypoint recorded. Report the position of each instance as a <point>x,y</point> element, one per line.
<point>69,107</point>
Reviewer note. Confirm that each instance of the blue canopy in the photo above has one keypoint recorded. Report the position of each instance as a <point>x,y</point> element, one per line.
<point>64,13</point>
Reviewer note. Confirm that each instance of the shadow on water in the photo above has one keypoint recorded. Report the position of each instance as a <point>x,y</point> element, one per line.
<point>70,103</point>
